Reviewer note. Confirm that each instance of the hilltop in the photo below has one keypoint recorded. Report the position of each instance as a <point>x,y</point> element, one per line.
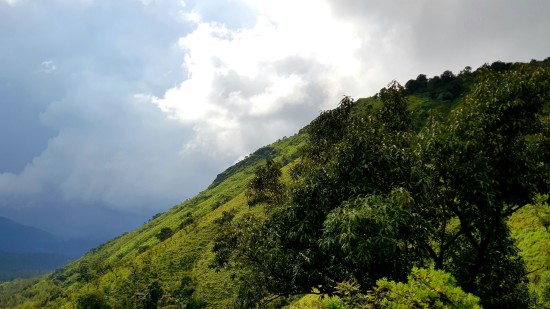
<point>369,190</point>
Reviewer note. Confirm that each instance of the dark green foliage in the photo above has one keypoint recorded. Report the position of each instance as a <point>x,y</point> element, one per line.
<point>507,163</point>
<point>483,164</point>
<point>372,236</point>
<point>445,96</point>
<point>226,240</point>
<point>327,130</point>
<point>183,296</point>
<point>416,85</point>
<point>499,66</point>
<point>142,249</point>
<point>220,202</point>
<point>186,221</point>
<point>288,247</point>
<point>393,115</point>
<point>91,301</point>
<point>266,187</point>
<point>164,233</point>
<point>444,88</point>
<point>372,198</point>
<point>89,269</point>
<point>156,216</point>
<point>154,294</point>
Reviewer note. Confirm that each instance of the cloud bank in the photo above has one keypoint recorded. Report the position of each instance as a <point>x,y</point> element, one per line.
<point>115,110</point>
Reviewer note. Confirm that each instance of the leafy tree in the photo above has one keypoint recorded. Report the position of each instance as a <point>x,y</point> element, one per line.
<point>394,114</point>
<point>417,85</point>
<point>374,234</point>
<point>154,294</point>
<point>488,161</point>
<point>290,235</point>
<point>266,187</point>
<point>380,198</point>
<point>499,66</point>
<point>91,301</point>
<point>164,233</point>
<point>326,131</point>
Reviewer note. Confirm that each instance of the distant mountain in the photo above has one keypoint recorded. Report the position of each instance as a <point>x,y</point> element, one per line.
<point>26,251</point>
<point>23,265</point>
<point>19,238</point>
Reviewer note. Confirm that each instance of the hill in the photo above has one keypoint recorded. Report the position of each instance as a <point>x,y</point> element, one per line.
<point>26,251</point>
<point>15,237</point>
<point>202,252</point>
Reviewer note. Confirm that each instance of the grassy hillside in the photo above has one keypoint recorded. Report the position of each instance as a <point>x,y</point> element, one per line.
<point>124,267</point>
<point>166,262</point>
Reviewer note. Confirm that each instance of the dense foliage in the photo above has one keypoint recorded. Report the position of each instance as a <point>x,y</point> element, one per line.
<point>425,288</point>
<point>372,198</point>
<point>412,196</point>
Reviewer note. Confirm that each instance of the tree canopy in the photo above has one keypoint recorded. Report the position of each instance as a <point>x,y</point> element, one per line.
<point>371,197</point>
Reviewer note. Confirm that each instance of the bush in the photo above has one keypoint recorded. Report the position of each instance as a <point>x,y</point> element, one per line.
<point>425,288</point>
<point>164,233</point>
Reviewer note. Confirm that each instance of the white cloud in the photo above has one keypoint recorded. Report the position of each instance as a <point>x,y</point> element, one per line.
<point>240,77</point>
<point>47,67</point>
<point>11,2</point>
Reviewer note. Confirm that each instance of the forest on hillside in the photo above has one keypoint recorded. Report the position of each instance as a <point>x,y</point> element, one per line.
<point>432,194</point>
<point>373,198</point>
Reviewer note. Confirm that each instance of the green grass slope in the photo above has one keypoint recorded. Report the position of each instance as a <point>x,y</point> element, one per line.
<point>122,270</point>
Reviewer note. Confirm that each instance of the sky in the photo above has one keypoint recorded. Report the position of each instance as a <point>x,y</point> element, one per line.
<point>113,111</point>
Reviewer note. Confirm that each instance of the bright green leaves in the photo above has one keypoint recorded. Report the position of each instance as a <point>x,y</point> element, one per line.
<point>425,288</point>
<point>373,236</point>
<point>543,211</point>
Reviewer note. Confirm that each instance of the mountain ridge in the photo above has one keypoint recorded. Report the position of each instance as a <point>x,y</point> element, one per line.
<point>16,237</point>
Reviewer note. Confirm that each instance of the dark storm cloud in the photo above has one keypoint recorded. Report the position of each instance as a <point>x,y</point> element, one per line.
<point>48,46</point>
<point>80,140</point>
<point>431,36</point>
<point>121,109</point>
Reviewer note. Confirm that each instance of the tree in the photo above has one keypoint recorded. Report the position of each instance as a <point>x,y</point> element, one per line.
<point>326,131</point>
<point>383,198</point>
<point>153,295</point>
<point>91,301</point>
<point>266,187</point>
<point>417,85</point>
<point>394,113</point>
<point>487,161</point>
<point>164,233</point>
<point>282,250</point>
